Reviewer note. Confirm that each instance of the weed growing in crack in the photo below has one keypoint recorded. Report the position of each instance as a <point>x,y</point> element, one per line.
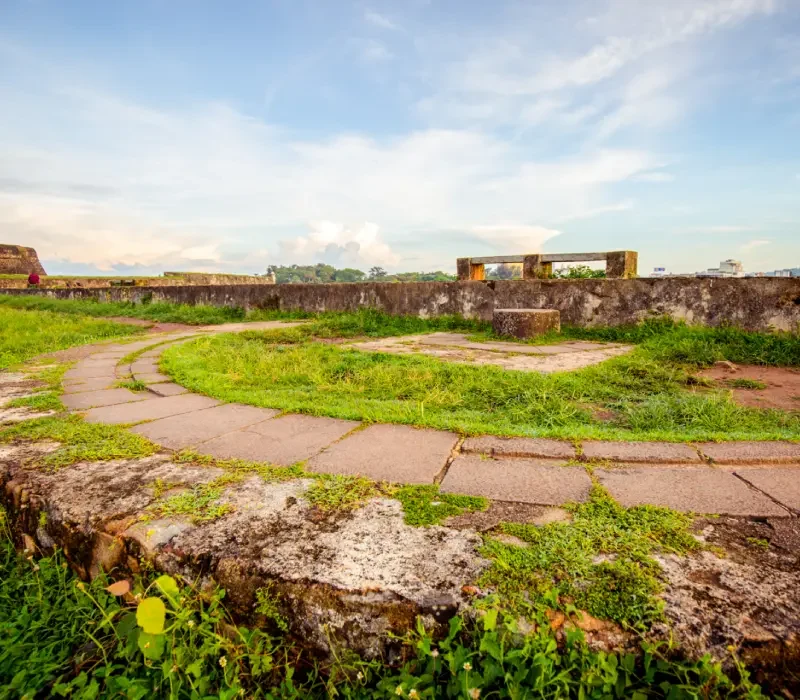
<point>425,505</point>
<point>599,562</point>
<point>335,492</point>
<point>132,385</point>
<point>200,503</point>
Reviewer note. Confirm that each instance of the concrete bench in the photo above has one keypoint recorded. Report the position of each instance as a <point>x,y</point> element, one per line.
<point>525,323</point>
<point>619,264</point>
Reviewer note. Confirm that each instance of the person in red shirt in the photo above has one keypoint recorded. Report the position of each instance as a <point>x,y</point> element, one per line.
<point>33,279</point>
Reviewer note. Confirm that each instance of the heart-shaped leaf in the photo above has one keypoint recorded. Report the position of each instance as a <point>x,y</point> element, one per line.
<point>119,587</point>
<point>151,614</point>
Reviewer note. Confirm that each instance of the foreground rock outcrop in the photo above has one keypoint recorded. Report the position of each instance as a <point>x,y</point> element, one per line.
<point>344,578</point>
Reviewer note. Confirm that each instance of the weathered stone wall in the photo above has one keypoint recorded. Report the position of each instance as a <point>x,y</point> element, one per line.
<point>19,260</point>
<point>170,279</point>
<point>755,303</point>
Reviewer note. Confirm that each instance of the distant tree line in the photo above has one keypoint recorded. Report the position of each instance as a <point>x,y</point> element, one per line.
<point>508,271</point>
<point>322,274</point>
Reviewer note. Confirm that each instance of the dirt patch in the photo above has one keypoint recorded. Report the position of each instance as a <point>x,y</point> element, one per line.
<point>782,390</point>
<point>456,347</point>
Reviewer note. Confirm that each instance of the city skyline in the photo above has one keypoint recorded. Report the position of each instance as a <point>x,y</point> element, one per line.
<point>141,137</point>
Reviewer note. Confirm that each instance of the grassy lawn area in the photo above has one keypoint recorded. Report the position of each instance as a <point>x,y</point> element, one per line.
<point>25,334</point>
<point>156,311</point>
<point>649,395</point>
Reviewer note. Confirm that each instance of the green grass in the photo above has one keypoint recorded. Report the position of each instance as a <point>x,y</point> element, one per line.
<point>424,504</point>
<point>26,334</point>
<point>132,384</point>
<point>79,441</point>
<point>560,561</point>
<point>65,638</point>
<point>747,384</point>
<point>649,393</point>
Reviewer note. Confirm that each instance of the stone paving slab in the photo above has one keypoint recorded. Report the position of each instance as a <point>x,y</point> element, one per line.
<point>742,452</point>
<point>395,453</point>
<point>77,387</point>
<point>284,440</point>
<point>151,409</point>
<point>652,452</point>
<point>783,484</point>
<point>104,397</point>
<point>118,355</point>
<point>167,389</point>
<point>542,482</point>
<point>518,447</point>
<point>89,372</point>
<point>191,428</point>
<point>687,488</point>
<point>152,378</point>
<point>144,366</point>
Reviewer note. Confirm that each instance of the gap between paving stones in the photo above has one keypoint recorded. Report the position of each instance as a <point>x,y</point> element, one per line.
<point>527,470</point>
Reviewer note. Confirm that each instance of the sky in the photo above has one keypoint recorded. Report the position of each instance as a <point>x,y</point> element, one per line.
<point>141,136</point>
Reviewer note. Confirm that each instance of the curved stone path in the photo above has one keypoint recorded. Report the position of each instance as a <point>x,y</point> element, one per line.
<point>760,479</point>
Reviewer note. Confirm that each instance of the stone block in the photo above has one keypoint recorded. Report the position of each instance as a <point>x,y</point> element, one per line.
<point>542,482</point>
<point>781,483</point>
<point>518,447</point>
<point>525,323</point>
<point>191,428</point>
<point>462,269</point>
<point>665,452</point>
<point>691,489</point>
<point>750,452</point>
<point>622,264</point>
<point>103,397</point>
<point>395,453</point>
<point>534,269</point>
<point>283,441</point>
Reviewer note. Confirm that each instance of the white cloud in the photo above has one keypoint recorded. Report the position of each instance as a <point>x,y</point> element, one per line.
<point>334,242</point>
<point>379,20</point>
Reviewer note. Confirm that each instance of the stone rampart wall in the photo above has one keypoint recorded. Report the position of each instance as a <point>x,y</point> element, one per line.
<point>754,303</point>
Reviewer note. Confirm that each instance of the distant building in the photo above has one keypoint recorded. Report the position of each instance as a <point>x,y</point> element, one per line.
<point>727,268</point>
<point>659,272</point>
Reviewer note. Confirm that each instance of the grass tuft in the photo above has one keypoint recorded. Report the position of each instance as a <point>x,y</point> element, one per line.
<point>80,441</point>
<point>425,505</point>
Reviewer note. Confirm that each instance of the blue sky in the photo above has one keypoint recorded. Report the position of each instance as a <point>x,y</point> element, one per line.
<point>137,137</point>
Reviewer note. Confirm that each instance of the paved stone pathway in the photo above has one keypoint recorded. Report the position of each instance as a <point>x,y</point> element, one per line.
<point>760,479</point>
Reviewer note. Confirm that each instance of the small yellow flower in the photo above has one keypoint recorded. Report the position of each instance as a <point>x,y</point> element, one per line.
<point>223,662</point>
<point>398,690</point>
<point>190,623</point>
<point>475,693</point>
<point>435,653</point>
<point>413,693</point>
<point>360,676</point>
<point>468,666</point>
